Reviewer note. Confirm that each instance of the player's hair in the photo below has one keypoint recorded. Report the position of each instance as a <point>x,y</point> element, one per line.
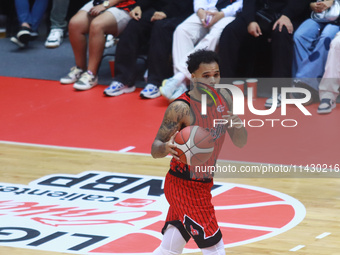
<point>201,56</point>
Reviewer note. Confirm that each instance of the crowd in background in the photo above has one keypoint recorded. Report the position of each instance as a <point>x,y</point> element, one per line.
<point>300,46</point>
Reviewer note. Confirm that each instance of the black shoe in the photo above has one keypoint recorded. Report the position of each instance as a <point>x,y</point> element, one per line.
<point>15,40</point>
<point>314,93</point>
<point>24,35</point>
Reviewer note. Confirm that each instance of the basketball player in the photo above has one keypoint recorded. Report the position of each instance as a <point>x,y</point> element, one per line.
<point>191,213</point>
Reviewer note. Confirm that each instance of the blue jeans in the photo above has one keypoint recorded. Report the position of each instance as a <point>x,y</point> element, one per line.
<point>312,41</point>
<point>31,16</point>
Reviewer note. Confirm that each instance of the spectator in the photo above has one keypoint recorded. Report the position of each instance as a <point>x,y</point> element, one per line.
<point>95,20</point>
<point>152,25</point>
<point>312,40</point>
<point>245,31</point>
<point>330,83</point>
<point>29,19</point>
<point>58,23</point>
<point>201,30</point>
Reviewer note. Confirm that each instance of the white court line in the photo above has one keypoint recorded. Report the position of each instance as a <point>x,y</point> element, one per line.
<point>297,248</point>
<point>111,151</point>
<point>69,148</point>
<point>232,225</point>
<point>129,148</point>
<point>323,235</point>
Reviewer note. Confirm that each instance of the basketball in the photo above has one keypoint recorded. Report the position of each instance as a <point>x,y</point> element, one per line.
<point>194,144</point>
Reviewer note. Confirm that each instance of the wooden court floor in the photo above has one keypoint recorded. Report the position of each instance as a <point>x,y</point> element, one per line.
<point>21,164</point>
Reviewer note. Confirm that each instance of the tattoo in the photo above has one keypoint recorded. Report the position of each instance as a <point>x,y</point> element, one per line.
<point>176,115</point>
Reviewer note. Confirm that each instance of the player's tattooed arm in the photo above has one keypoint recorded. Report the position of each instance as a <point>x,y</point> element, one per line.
<point>176,117</point>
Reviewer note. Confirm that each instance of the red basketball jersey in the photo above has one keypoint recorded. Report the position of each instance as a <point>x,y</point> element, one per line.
<point>214,111</point>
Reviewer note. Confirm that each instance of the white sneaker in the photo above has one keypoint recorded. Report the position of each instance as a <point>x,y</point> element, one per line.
<point>169,86</point>
<point>269,102</point>
<point>86,81</point>
<point>326,106</point>
<point>72,76</point>
<point>55,38</point>
<point>110,41</point>
<point>150,91</point>
<point>178,92</point>
<point>117,88</point>
<point>18,42</point>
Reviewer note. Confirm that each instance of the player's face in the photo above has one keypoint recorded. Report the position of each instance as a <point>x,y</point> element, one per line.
<point>206,74</point>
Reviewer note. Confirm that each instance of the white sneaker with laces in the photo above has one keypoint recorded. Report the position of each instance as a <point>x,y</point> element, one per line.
<point>73,76</point>
<point>117,88</point>
<point>55,38</point>
<point>150,91</point>
<point>86,81</point>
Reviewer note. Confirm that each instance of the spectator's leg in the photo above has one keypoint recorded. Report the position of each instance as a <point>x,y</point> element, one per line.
<point>312,67</point>
<point>282,53</point>
<point>135,35</point>
<point>37,13</point>
<point>59,13</point>
<point>159,57</point>
<point>102,24</point>
<point>78,29</point>
<point>23,11</point>
<point>330,83</point>
<point>186,36</point>
<point>233,36</point>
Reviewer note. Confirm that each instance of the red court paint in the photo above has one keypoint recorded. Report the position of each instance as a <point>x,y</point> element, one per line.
<point>45,112</point>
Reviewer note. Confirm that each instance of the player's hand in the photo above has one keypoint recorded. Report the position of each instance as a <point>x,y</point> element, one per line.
<point>96,10</point>
<point>170,146</point>
<point>254,29</point>
<point>233,121</point>
<point>284,21</point>
<point>212,18</point>
<point>158,16</point>
<point>136,13</point>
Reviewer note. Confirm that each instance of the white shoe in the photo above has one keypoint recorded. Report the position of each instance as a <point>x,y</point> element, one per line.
<point>73,76</point>
<point>86,81</point>
<point>18,42</point>
<point>169,86</point>
<point>269,101</point>
<point>178,92</point>
<point>117,88</point>
<point>110,41</point>
<point>55,38</point>
<point>150,91</point>
<point>326,106</point>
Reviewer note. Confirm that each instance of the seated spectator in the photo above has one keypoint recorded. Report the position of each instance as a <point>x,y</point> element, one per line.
<point>29,19</point>
<point>97,21</point>
<point>330,83</point>
<point>201,30</point>
<point>247,29</point>
<point>152,25</point>
<point>58,23</point>
<point>311,46</point>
